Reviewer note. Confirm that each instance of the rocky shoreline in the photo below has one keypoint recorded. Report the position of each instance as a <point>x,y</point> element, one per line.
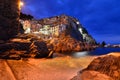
<point>105,67</point>
<point>20,44</point>
<point>63,68</point>
<point>30,46</point>
<point>42,38</point>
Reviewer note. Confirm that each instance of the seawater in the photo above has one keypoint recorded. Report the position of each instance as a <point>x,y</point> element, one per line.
<point>97,52</point>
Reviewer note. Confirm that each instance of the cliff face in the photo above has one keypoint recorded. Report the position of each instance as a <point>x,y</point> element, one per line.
<point>79,30</point>
<point>9,18</point>
<point>41,37</point>
<point>63,32</point>
<point>57,25</point>
<point>70,26</point>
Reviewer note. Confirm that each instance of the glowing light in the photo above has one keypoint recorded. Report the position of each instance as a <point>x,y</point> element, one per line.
<point>80,54</point>
<point>21,4</point>
<point>80,29</point>
<point>78,22</point>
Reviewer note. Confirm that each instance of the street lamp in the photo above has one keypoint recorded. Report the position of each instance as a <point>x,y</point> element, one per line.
<point>21,4</point>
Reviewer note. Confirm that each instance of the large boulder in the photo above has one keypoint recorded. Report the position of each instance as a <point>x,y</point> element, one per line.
<point>24,47</point>
<point>92,75</point>
<point>102,68</point>
<point>39,49</point>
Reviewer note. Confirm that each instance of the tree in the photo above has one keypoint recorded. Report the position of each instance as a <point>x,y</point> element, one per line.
<point>103,43</point>
<point>25,16</point>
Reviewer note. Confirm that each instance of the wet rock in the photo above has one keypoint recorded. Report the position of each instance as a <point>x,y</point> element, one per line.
<point>67,44</point>
<point>21,46</point>
<point>5,47</point>
<point>25,46</point>
<point>92,75</point>
<point>38,49</point>
<point>4,55</point>
<point>29,45</point>
<point>15,57</point>
<point>102,68</point>
<point>11,54</point>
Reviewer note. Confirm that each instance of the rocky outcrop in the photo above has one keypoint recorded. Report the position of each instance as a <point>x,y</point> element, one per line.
<point>65,33</point>
<point>9,18</point>
<point>92,75</point>
<point>67,44</point>
<point>102,68</point>
<point>56,34</point>
<point>57,25</point>
<point>29,45</point>
<point>72,36</point>
<point>38,49</point>
<point>24,46</point>
<point>78,30</point>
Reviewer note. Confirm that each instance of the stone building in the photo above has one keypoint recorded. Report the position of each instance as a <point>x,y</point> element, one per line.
<point>9,18</point>
<point>27,26</point>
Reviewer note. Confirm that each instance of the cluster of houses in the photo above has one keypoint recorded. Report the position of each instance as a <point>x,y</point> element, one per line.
<point>49,26</point>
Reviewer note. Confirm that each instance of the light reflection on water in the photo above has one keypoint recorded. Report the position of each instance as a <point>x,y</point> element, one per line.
<point>97,51</point>
<point>79,54</point>
<point>74,55</point>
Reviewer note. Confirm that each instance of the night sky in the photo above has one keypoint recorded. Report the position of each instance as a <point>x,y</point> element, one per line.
<point>100,17</point>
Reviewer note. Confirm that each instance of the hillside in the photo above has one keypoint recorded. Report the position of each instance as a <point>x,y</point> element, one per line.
<point>42,38</point>
<point>57,25</point>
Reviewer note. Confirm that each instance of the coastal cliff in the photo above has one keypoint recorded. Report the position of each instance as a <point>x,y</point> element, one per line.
<point>39,38</point>
<point>42,38</point>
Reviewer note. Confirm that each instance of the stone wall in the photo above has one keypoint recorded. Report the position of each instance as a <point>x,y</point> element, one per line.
<point>9,18</point>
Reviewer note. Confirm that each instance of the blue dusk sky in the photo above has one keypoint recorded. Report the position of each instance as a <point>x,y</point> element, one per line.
<point>100,17</point>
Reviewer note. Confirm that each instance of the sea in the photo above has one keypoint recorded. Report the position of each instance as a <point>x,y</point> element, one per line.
<point>96,52</point>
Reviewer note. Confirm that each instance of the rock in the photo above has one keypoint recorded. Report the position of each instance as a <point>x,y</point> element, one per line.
<point>92,75</point>
<point>1,41</point>
<point>61,25</point>
<point>11,54</point>
<point>18,40</point>
<point>9,18</point>
<point>50,54</point>
<point>14,45</point>
<point>67,44</point>
<point>63,29</point>
<point>15,57</point>
<point>4,55</point>
<point>5,47</point>
<point>66,34</point>
<point>39,49</point>
<point>102,68</point>
<point>21,46</point>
